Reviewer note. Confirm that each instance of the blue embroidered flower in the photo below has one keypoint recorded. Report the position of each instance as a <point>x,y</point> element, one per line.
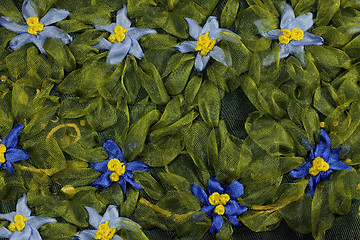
<point>322,162</point>
<point>22,225</point>
<point>123,39</point>
<point>221,201</point>
<point>106,226</point>
<point>36,31</point>
<point>116,169</point>
<point>292,35</point>
<point>206,38</point>
<point>8,152</point>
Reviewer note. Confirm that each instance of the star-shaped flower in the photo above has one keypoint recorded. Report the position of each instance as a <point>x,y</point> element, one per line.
<point>323,160</point>
<point>22,225</point>
<point>8,152</point>
<point>206,38</point>
<point>36,31</point>
<point>106,226</point>
<point>221,201</point>
<point>116,169</point>
<point>123,38</point>
<point>292,34</point>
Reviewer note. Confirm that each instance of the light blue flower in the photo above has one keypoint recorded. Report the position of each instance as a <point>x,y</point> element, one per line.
<point>108,224</point>
<point>291,43</point>
<point>206,38</point>
<point>22,225</point>
<point>123,38</point>
<point>36,31</point>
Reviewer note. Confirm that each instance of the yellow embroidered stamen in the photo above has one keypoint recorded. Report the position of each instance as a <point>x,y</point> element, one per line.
<point>322,124</point>
<point>288,35</point>
<point>217,199</point>
<point>104,232</point>
<point>205,44</point>
<point>18,224</point>
<point>119,34</point>
<point>220,209</point>
<point>34,25</point>
<point>118,169</point>
<point>2,153</point>
<point>319,165</point>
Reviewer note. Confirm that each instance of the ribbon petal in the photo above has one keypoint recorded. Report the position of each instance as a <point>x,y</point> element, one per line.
<point>119,51</point>
<point>28,10</point>
<point>122,19</point>
<point>11,140</point>
<point>15,155</point>
<point>200,194</point>
<point>54,15</point>
<point>194,28</point>
<point>10,25</point>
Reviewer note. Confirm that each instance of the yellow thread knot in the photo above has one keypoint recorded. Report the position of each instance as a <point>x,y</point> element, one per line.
<point>322,124</point>
<point>2,153</point>
<point>319,165</point>
<point>220,209</point>
<point>205,44</point>
<point>217,199</point>
<point>118,169</point>
<point>18,224</point>
<point>288,35</point>
<point>335,123</point>
<point>104,232</point>
<point>3,78</point>
<point>119,34</point>
<point>34,26</point>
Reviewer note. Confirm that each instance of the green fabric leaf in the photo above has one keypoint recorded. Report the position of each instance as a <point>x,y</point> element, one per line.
<point>326,10</point>
<point>71,26</point>
<point>57,50</point>
<point>340,192</point>
<point>158,41</point>
<point>191,91</point>
<point>91,15</point>
<point>58,230</point>
<point>209,103</point>
<point>178,78</point>
<point>228,13</point>
<point>150,185</point>
<point>100,114</point>
<point>76,177</point>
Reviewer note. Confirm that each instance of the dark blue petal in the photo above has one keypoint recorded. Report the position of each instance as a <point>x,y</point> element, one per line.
<point>216,224</point>
<point>339,165</point>
<point>233,208</point>
<point>208,210</point>
<point>214,186</point>
<point>304,22</point>
<point>287,16</point>
<point>234,189</point>
<point>15,155</point>
<point>211,24</point>
<point>137,33</point>
<point>136,166</point>
<point>135,49</point>
<point>301,171</point>
<point>8,167</point>
<point>100,166</point>
<point>122,19</point>
<point>284,50</point>
<point>234,221</point>
<point>55,32</point>
<point>200,194</point>
<point>323,147</point>
<point>273,34</point>
<point>186,46</point>
<point>306,143</point>
<point>11,140</point>
<point>122,183</point>
<point>54,15</point>
<point>194,28</point>
<point>10,25</point>
<point>312,154</point>
<point>109,28</point>
<point>219,55</point>
<point>113,150</point>
<point>103,181</point>
<point>308,39</point>
<point>324,176</point>
<point>103,44</point>
<point>28,10</point>
<point>314,180</point>
<point>20,40</point>
<point>201,62</point>
<point>119,51</point>
<point>334,155</point>
<point>134,184</point>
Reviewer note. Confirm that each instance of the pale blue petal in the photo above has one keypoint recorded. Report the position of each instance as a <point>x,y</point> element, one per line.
<point>37,222</point>
<point>201,61</point>
<point>287,16</point>
<point>284,50</point>
<point>54,15</point>
<point>109,28</point>
<point>86,235</point>
<point>94,217</point>
<point>211,24</point>
<point>295,49</point>
<point>304,22</point>
<point>22,235</point>
<point>119,51</point>
<point>135,49</point>
<point>308,39</point>
<point>137,33</point>
<point>219,55</point>
<point>22,208</point>
<point>20,40</point>
<point>194,28</point>
<point>35,235</point>
<point>103,44</point>
<point>8,216</point>
<point>111,212</point>
<point>273,34</point>
<point>55,32</point>
<point>116,237</point>
<point>39,43</point>
<point>10,25</point>
<point>28,10</point>
<point>122,19</point>
<point>186,46</point>
<point>5,233</point>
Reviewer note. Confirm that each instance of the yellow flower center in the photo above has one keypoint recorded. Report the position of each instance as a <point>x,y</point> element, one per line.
<point>319,165</point>
<point>119,34</point>
<point>34,26</point>
<point>205,44</point>
<point>220,201</point>
<point>2,153</point>
<point>118,168</point>
<point>18,224</point>
<point>288,35</point>
<point>104,232</point>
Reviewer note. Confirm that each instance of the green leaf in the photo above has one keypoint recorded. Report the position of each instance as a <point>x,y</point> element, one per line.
<point>259,222</point>
<point>191,91</point>
<point>340,192</point>
<point>310,120</point>
<point>130,79</point>
<point>108,5</point>
<point>158,41</point>
<point>130,230</point>
<point>209,103</point>
<point>9,9</point>
<point>76,214</point>
<point>58,230</point>
<point>91,15</point>
<point>325,99</point>
<point>178,78</point>
<point>228,14</point>
<point>325,11</point>
<point>150,185</point>
<point>226,231</point>
<point>71,26</point>
<point>100,114</point>
<point>60,52</point>
<point>76,176</point>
